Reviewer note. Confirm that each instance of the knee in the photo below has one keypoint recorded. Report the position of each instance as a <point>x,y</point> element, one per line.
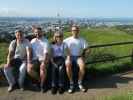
<point>22,68</point>
<point>54,67</point>
<point>42,68</point>
<point>42,71</point>
<point>61,68</point>
<point>29,69</point>
<point>80,62</point>
<point>81,66</point>
<point>68,64</point>
<point>8,69</point>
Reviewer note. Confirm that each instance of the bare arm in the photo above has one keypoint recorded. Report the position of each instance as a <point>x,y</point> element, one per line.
<point>9,57</point>
<point>68,53</point>
<point>29,54</point>
<point>11,51</point>
<point>86,52</point>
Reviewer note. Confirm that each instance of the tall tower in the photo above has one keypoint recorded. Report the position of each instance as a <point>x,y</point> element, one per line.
<point>59,23</point>
<point>58,19</point>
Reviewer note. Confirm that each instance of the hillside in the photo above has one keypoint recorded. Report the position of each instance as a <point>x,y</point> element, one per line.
<point>96,36</point>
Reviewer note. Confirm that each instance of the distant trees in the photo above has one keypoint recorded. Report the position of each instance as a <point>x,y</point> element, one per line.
<point>126,28</point>
<point>6,37</point>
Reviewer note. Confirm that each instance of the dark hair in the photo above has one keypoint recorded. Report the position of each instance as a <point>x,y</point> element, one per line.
<point>20,31</point>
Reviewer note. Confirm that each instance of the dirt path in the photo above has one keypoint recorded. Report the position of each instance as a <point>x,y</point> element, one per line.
<point>106,86</point>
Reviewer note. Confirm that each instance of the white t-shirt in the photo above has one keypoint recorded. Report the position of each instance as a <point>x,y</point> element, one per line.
<point>20,51</point>
<point>76,45</point>
<point>40,47</point>
<point>59,50</point>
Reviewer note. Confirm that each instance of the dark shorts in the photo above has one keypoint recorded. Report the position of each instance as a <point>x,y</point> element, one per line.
<point>75,68</point>
<point>16,62</point>
<point>36,65</point>
<point>59,60</point>
<point>74,59</point>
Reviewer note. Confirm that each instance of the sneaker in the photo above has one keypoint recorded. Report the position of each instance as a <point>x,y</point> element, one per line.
<point>54,90</point>
<point>35,86</point>
<point>43,89</point>
<point>10,88</point>
<point>71,89</point>
<point>61,90</point>
<point>82,88</point>
<point>22,89</point>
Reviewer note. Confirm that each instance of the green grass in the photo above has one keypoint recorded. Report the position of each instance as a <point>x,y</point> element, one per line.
<point>3,52</point>
<point>119,97</point>
<point>96,36</point>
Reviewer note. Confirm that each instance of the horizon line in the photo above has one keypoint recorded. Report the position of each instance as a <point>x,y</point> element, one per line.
<point>66,17</point>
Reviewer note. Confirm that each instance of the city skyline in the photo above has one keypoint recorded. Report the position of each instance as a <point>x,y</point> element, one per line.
<point>66,8</point>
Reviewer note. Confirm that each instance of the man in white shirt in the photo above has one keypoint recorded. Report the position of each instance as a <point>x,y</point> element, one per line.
<point>40,48</point>
<point>77,45</point>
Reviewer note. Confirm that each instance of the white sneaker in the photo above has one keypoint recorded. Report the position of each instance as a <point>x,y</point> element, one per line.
<point>71,89</point>
<point>10,88</point>
<point>22,89</point>
<point>82,88</point>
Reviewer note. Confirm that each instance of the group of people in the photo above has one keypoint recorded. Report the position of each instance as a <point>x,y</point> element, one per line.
<point>26,56</point>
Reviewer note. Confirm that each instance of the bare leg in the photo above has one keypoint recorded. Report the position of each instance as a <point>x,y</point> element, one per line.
<point>31,72</point>
<point>42,75</point>
<point>81,65</point>
<point>81,73</point>
<point>68,65</point>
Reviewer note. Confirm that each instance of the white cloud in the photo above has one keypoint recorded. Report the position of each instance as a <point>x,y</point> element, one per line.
<point>14,12</point>
<point>28,12</point>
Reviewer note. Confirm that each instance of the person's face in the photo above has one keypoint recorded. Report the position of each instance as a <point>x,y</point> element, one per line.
<point>38,33</point>
<point>75,31</point>
<point>59,38</point>
<point>19,36</point>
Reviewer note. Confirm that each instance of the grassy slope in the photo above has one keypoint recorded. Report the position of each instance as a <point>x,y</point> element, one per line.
<point>98,36</point>
<point>104,36</point>
<point>3,52</point>
<point>118,97</point>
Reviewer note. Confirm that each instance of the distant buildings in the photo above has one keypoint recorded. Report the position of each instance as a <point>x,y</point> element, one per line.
<point>8,25</point>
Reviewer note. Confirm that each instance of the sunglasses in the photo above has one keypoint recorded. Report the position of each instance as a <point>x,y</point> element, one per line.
<point>59,36</point>
<point>75,30</point>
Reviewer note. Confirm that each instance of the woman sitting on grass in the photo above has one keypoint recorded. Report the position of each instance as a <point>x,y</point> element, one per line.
<point>60,58</point>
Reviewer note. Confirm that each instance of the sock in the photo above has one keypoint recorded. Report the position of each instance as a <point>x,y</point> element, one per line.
<point>71,82</point>
<point>79,82</point>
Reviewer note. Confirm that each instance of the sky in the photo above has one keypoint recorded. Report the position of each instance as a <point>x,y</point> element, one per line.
<point>67,8</point>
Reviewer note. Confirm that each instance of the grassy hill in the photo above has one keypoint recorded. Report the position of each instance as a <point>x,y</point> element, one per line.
<point>102,35</point>
<point>3,52</point>
<point>96,36</point>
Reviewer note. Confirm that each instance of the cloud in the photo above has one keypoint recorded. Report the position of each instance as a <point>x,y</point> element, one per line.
<point>8,12</point>
<point>14,12</point>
